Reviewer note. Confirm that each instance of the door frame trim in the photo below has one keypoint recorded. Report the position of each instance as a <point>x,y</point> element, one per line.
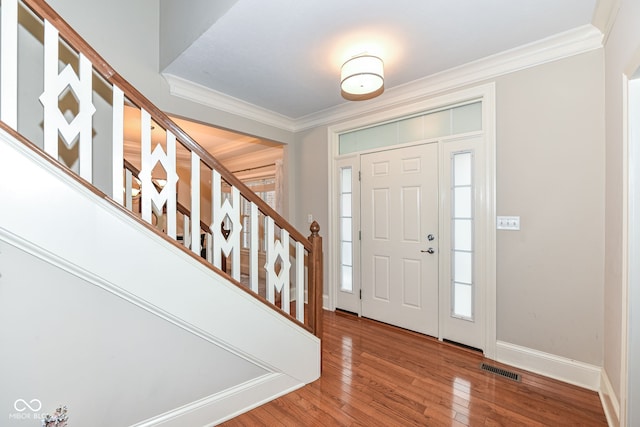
<point>486,93</point>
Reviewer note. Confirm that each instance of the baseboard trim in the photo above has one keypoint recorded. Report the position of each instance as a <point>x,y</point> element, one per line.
<point>609,401</point>
<point>557,367</point>
<point>223,406</point>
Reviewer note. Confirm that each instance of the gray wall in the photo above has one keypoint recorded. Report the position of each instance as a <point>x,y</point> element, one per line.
<point>550,171</point>
<point>622,57</point>
<point>181,23</point>
<point>30,110</point>
<point>66,341</point>
<point>309,185</point>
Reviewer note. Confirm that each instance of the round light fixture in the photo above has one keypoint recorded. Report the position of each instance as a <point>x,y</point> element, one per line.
<point>362,77</point>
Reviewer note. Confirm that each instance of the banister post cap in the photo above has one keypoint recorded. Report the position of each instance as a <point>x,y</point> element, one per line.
<point>315,228</point>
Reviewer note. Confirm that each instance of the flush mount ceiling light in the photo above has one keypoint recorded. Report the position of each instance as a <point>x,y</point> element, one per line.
<point>362,77</point>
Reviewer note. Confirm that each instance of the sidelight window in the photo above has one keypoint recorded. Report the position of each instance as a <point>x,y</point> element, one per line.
<point>462,225</point>
<point>346,230</point>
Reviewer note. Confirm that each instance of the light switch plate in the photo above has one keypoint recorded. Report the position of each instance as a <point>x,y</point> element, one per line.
<point>508,223</point>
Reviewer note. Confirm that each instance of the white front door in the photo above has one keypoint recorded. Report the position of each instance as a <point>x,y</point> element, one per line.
<point>399,248</point>
<point>388,202</point>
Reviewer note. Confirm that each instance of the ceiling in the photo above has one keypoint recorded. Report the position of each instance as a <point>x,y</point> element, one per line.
<point>285,55</point>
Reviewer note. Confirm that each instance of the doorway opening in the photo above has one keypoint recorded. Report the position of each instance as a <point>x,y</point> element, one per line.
<point>630,398</point>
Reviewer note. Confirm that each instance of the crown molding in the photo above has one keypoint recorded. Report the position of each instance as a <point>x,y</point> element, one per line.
<point>604,16</point>
<point>573,42</point>
<point>563,45</point>
<point>203,95</point>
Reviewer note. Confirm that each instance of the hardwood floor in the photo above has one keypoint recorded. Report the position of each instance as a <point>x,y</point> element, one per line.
<point>377,375</point>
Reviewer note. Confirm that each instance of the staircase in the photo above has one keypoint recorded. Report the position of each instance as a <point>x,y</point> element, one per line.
<point>130,288</point>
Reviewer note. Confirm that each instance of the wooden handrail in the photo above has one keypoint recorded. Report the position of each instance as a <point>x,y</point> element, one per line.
<point>44,11</point>
<point>99,193</point>
<point>312,245</point>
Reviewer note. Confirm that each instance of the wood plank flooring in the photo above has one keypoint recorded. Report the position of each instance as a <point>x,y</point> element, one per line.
<point>377,375</point>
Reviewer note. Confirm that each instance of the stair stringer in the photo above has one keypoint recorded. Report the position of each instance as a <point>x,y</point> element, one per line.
<point>54,217</point>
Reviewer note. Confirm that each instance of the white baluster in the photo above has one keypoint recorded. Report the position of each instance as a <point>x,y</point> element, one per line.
<point>50,77</point>
<point>9,63</point>
<point>285,292</point>
<point>195,203</point>
<point>128,189</point>
<point>215,226</point>
<point>277,249</point>
<point>86,109</point>
<point>146,184</point>
<point>57,83</point>
<point>270,274</point>
<point>210,248</point>
<point>219,211</point>
<point>300,281</point>
<point>186,232</point>
<point>118,147</point>
<point>152,199</point>
<point>254,248</point>
<point>169,193</point>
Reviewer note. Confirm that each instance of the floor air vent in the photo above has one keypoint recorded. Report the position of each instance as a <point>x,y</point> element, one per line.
<point>500,371</point>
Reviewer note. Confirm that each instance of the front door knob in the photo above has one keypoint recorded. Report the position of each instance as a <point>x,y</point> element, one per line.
<point>429,251</point>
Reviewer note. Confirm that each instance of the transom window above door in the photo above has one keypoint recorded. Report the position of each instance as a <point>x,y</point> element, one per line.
<point>452,120</point>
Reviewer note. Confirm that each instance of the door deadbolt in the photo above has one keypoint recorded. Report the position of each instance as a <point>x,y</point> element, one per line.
<point>430,237</point>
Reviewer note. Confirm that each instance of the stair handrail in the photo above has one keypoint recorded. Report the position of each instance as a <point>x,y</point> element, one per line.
<point>312,244</point>
<point>44,11</point>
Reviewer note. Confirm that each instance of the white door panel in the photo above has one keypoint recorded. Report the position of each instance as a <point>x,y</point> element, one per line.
<point>399,208</point>
<point>405,196</point>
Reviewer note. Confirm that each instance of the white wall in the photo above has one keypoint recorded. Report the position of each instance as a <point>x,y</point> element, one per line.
<point>550,166</point>
<point>120,293</point>
<point>67,341</point>
<point>622,57</point>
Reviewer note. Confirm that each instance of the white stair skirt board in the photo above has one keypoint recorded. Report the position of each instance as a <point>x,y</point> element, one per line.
<point>223,406</point>
<point>65,224</point>
<point>610,402</point>
<point>552,366</point>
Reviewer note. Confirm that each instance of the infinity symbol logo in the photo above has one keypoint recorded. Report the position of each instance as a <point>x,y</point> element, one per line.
<point>22,405</point>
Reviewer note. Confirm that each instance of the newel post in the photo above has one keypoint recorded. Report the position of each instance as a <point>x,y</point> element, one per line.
<point>315,280</point>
